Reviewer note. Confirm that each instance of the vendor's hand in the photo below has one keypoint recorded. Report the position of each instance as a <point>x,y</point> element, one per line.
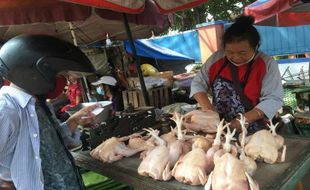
<point>235,124</point>
<point>82,117</point>
<point>206,109</point>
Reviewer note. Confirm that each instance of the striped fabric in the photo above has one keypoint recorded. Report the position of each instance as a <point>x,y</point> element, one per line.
<point>20,160</point>
<point>59,171</point>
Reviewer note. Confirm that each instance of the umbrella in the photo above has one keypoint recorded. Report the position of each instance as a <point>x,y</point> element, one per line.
<point>280,12</point>
<point>88,24</point>
<point>19,16</point>
<point>134,6</point>
<point>80,24</point>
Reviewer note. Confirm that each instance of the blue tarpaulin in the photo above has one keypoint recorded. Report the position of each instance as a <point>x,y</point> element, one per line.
<point>146,48</point>
<point>284,40</point>
<point>186,43</point>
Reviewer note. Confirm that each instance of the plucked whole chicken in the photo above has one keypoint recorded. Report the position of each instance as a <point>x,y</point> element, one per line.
<point>215,146</point>
<point>265,145</point>
<point>229,174</point>
<point>179,147</point>
<point>248,162</point>
<point>156,162</point>
<point>191,169</point>
<point>113,149</point>
<point>204,121</point>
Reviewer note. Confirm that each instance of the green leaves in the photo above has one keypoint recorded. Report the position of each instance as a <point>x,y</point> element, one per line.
<point>212,10</point>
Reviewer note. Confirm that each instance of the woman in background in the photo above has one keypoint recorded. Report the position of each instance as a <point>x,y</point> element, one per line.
<point>109,89</point>
<point>74,94</point>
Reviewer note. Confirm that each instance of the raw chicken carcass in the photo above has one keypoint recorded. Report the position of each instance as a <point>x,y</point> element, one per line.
<point>201,142</point>
<point>191,169</point>
<point>169,137</point>
<point>249,163</point>
<point>156,163</point>
<point>204,121</point>
<point>265,145</point>
<point>178,147</point>
<point>229,173</point>
<point>113,149</point>
<point>227,146</point>
<point>142,143</point>
<point>215,146</point>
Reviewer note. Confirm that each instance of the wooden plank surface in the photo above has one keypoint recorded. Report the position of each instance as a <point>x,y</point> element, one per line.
<point>269,176</point>
<point>125,98</point>
<point>136,99</point>
<point>161,98</point>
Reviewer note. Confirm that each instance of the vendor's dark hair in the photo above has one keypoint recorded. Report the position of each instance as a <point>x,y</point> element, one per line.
<point>241,30</point>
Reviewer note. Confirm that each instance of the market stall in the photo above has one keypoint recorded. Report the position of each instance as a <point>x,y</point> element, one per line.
<point>269,177</point>
<point>162,58</point>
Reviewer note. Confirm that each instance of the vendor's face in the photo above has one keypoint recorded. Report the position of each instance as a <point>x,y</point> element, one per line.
<point>239,53</point>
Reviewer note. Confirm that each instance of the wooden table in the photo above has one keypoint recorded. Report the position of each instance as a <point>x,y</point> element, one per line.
<point>269,176</point>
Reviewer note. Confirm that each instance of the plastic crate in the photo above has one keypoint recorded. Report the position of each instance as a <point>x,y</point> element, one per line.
<point>289,98</point>
<point>303,129</point>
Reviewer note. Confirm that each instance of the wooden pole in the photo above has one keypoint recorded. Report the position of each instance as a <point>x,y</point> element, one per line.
<point>137,61</point>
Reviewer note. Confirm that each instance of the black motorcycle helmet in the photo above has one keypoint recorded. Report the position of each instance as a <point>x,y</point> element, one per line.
<point>32,61</point>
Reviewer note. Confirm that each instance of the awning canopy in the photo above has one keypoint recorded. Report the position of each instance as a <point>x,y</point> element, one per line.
<point>89,24</point>
<point>280,12</point>
<point>136,6</point>
<point>146,48</point>
<point>92,26</point>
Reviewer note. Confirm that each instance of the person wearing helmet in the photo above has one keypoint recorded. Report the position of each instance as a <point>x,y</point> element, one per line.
<point>33,152</point>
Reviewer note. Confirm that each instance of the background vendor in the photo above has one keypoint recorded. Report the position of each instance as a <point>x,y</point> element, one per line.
<point>73,93</point>
<point>109,90</point>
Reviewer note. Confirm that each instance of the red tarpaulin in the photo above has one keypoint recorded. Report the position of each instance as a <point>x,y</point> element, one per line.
<point>280,12</point>
<point>89,24</point>
<point>135,6</point>
<point>89,20</point>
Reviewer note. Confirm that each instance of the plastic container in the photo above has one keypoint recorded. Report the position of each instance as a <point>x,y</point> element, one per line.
<point>187,108</point>
<point>101,117</point>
